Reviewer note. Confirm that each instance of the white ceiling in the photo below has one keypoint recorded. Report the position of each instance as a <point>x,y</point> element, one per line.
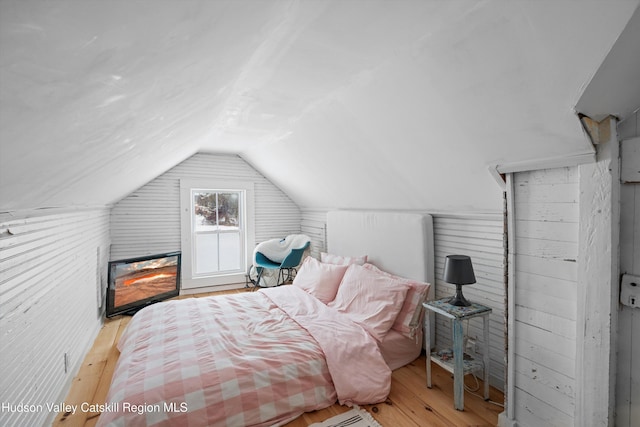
<point>346,103</point>
<point>615,88</point>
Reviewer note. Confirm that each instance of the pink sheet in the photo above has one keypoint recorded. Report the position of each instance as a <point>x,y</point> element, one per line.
<point>240,360</point>
<point>359,372</point>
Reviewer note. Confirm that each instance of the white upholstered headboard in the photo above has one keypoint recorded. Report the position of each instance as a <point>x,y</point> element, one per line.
<point>398,242</point>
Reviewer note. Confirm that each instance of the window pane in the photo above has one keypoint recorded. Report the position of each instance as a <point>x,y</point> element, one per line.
<point>230,258</point>
<point>206,253</point>
<point>204,211</point>
<point>228,210</point>
<point>217,231</point>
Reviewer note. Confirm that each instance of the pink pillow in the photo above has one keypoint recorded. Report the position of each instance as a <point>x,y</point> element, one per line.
<point>342,260</point>
<point>319,279</point>
<point>371,299</point>
<point>409,318</point>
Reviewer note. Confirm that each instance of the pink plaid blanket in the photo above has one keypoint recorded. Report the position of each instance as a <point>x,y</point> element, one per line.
<point>236,360</point>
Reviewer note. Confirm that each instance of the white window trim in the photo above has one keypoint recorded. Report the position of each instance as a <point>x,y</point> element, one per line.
<point>188,279</point>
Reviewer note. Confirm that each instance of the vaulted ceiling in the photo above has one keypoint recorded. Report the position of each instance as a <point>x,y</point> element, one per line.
<point>345,103</point>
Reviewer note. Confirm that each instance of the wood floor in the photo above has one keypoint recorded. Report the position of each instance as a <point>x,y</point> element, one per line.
<point>410,403</point>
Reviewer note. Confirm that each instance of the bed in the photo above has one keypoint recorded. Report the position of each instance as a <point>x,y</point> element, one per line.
<point>263,358</point>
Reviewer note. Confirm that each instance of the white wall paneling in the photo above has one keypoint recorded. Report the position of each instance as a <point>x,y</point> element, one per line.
<point>544,212</point>
<point>481,237</point>
<point>314,225</point>
<point>148,220</point>
<point>544,223</point>
<point>563,274</point>
<point>628,343</point>
<point>630,154</point>
<point>52,272</point>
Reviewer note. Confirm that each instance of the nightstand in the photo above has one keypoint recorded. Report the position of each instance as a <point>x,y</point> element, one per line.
<point>458,364</point>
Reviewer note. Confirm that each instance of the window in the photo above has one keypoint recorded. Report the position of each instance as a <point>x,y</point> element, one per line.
<point>216,232</point>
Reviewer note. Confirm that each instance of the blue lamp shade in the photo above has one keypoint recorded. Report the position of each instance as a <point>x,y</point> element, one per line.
<point>458,271</point>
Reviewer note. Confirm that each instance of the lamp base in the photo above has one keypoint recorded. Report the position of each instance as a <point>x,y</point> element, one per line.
<point>458,299</point>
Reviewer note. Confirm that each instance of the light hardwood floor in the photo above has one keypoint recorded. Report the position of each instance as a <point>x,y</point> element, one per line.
<point>410,403</point>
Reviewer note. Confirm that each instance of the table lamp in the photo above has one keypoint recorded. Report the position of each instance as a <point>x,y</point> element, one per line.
<point>458,271</point>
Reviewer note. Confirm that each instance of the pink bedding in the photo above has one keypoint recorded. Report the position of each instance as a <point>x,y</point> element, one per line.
<point>359,372</point>
<point>254,359</point>
<point>398,350</point>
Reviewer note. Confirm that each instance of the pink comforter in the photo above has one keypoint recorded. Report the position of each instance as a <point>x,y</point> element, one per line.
<point>254,359</point>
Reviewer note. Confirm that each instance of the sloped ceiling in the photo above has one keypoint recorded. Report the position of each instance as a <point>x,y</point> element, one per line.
<point>615,88</point>
<point>346,103</point>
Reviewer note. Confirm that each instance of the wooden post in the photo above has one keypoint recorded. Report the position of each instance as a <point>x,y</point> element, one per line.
<point>598,260</point>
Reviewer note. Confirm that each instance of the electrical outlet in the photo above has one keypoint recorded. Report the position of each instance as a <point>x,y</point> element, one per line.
<point>630,290</point>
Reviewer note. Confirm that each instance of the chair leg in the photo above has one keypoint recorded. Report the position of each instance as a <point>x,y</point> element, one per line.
<point>260,271</point>
<point>280,275</point>
<point>284,275</point>
<point>248,281</point>
<point>282,278</point>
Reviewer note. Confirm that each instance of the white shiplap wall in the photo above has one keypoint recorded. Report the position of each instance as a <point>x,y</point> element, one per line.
<point>546,215</point>
<point>628,373</point>
<point>628,366</point>
<point>148,220</point>
<point>52,272</point>
<point>314,225</point>
<point>482,238</point>
<point>477,235</point>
